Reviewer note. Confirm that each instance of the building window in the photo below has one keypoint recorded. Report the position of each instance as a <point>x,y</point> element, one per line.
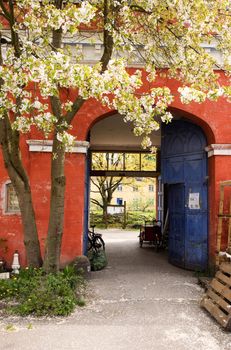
<point>139,179</point>
<point>151,188</point>
<point>135,188</point>
<point>12,205</point>
<point>119,201</point>
<point>120,188</point>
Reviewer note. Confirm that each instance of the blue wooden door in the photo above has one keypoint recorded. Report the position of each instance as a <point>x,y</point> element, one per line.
<point>176,247</point>
<point>196,211</point>
<point>196,240</point>
<point>184,169</point>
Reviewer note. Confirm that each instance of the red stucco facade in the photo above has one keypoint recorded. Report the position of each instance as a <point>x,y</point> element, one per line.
<point>213,117</point>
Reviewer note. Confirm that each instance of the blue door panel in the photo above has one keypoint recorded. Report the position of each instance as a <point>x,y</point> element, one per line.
<point>195,257</point>
<point>196,140</point>
<point>175,145</point>
<point>196,233</point>
<point>195,242</point>
<point>193,170</point>
<point>184,169</point>
<point>176,224</point>
<point>176,240</point>
<point>174,170</point>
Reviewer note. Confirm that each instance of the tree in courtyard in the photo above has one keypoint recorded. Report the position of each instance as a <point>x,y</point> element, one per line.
<point>36,75</point>
<point>105,186</point>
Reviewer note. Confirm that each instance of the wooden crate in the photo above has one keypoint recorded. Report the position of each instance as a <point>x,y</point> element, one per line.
<point>217,300</point>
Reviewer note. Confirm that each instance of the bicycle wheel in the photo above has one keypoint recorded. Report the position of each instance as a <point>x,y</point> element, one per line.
<point>89,244</point>
<point>98,243</point>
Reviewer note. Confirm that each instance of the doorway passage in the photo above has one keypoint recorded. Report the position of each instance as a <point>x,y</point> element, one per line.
<point>181,168</point>
<point>122,188</point>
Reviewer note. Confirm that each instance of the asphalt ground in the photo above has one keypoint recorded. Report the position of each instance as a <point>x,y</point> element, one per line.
<point>139,301</point>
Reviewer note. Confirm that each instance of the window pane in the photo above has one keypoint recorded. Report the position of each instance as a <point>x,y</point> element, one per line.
<point>107,161</point>
<point>99,161</point>
<point>148,162</point>
<point>132,161</point>
<point>119,201</point>
<point>12,200</point>
<point>115,161</point>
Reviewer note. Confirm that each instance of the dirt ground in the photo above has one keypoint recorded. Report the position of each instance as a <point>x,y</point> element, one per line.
<point>139,301</point>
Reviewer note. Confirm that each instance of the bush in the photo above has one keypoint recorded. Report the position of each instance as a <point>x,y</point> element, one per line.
<point>133,221</point>
<point>98,260</point>
<point>137,218</point>
<point>40,294</point>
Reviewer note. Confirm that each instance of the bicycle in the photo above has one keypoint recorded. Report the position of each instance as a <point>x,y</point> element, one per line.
<point>95,241</point>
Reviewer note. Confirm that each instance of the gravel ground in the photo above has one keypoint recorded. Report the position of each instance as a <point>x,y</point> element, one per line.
<point>139,301</point>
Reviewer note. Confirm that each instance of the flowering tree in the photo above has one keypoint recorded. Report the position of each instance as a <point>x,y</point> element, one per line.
<point>163,33</point>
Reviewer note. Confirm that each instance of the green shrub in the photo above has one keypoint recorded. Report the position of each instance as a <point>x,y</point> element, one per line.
<point>42,294</point>
<point>98,260</point>
<point>137,218</point>
<point>133,221</point>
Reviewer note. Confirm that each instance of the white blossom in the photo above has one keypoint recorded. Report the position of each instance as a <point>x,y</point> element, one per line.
<point>67,140</point>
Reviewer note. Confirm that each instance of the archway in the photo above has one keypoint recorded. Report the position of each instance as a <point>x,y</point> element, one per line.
<point>183,160</point>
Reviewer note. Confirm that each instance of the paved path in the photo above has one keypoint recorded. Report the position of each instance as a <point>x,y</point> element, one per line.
<point>138,302</point>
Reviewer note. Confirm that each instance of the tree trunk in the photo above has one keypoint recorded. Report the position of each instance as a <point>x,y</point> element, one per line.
<point>105,216</point>
<point>9,141</point>
<point>31,241</point>
<point>55,228</point>
<point>58,180</point>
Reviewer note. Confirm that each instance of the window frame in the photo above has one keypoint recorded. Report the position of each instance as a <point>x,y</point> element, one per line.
<point>6,210</point>
<point>122,170</point>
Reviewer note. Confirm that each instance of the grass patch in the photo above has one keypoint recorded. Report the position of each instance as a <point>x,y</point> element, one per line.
<point>40,294</point>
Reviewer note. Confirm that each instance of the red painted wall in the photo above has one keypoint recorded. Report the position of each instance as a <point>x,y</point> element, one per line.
<point>213,117</point>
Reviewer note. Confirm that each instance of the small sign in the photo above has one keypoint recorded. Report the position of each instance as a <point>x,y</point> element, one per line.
<point>194,201</point>
<point>115,209</point>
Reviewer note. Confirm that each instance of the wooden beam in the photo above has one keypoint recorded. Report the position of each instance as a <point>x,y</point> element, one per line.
<point>125,173</point>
